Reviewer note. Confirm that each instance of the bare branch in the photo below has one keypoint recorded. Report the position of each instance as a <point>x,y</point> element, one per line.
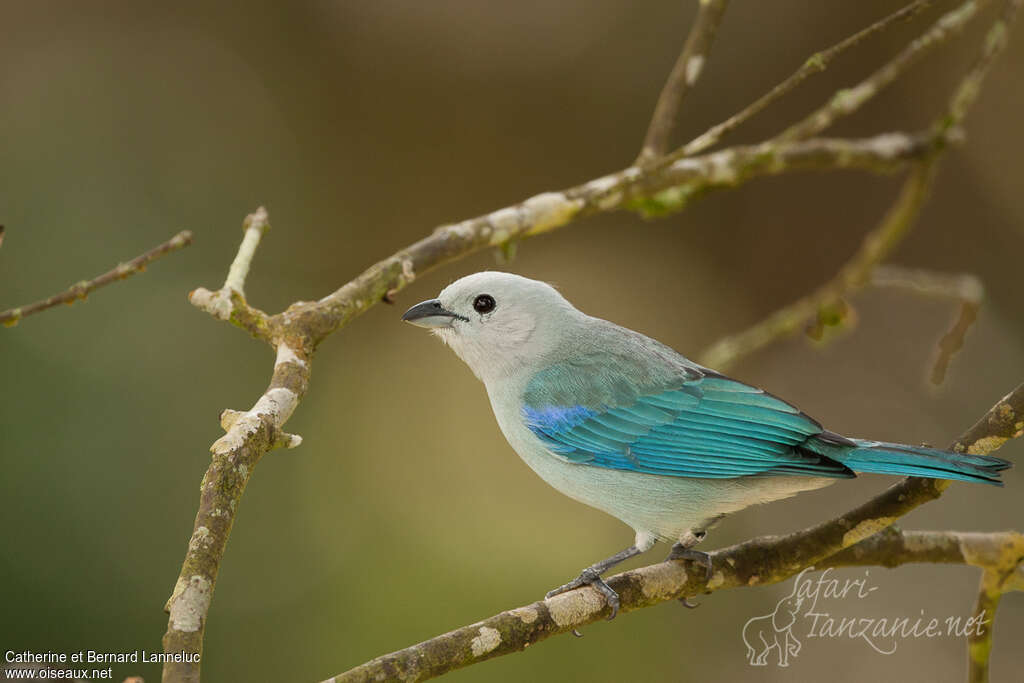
<point>651,192</point>
<point>823,303</point>
<point>995,42</point>
<point>249,436</point>
<point>80,290</point>
<point>847,101</point>
<point>893,547</point>
<point>878,244</point>
<point>682,78</point>
<point>816,63</point>
<point>228,302</point>
<point>979,643</point>
<point>254,226</point>
<point>961,287</point>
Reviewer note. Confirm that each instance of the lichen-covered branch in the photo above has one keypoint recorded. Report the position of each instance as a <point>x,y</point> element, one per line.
<point>1004,574</point>
<point>979,644</point>
<point>80,290</point>
<point>518,628</point>
<point>228,302</point>
<point>254,226</point>
<point>248,436</point>
<point>760,561</point>
<point>682,78</point>
<point>816,63</point>
<point>652,192</point>
<point>893,547</point>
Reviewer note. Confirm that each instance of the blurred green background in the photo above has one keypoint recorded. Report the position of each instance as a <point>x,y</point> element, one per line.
<point>361,124</point>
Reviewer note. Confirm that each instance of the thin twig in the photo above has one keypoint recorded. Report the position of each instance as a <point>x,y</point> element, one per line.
<point>794,317</point>
<point>995,42</point>
<point>682,78</point>
<point>254,226</point>
<point>847,101</point>
<point>814,64</point>
<point>228,302</point>
<point>900,218</point>
<point>648,191</point>
<point>759,561</point>
<point>652,193</point>
<point>80,290</point>
<point>961,287</point>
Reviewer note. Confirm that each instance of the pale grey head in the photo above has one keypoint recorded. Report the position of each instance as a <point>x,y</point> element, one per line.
<point>495,322</point>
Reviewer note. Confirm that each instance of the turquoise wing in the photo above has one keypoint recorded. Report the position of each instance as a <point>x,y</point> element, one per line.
<point>699,424</point>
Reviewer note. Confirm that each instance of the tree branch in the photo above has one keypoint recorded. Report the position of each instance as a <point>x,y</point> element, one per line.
<point>847,101</point>
<point>964,288</point>
<point>759,561</point>
<point>248,436</point>
<point>979,644</point>
<point>816,63</point>
<point>823,303</point>
<point>893,547</point>
<point>682,78</point>
<point>80,290</point>
<point>652,193</point>
<point>228,302</point>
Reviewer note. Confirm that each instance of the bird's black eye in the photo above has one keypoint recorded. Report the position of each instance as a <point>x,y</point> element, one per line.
<point>483,303</point>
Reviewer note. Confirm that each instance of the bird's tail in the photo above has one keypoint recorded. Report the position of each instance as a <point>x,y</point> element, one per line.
<point>881,457</point>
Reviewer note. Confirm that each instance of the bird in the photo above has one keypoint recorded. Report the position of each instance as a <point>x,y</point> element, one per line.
<point>623,423</point>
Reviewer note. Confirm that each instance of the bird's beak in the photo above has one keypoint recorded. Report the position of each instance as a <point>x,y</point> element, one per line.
<point>430,314</point>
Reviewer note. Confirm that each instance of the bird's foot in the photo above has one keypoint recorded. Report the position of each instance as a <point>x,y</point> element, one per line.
<point>682,553</point>
<point>590,577</point>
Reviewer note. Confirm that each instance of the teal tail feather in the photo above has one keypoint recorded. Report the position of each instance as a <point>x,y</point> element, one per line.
<point>880,457</point>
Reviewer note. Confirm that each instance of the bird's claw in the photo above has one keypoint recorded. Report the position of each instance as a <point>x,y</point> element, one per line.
<point>687,604</point>
<point>589,577</point>
<point>695,556</point>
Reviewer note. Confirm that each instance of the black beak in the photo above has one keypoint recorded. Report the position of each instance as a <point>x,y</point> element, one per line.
<point>430,314</point>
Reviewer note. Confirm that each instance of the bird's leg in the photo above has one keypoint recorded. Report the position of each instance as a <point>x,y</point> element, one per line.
<point>683,550</point>
<point>591,576</point>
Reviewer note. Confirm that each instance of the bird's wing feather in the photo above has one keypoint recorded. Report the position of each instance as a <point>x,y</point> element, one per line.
<point>691,422</point>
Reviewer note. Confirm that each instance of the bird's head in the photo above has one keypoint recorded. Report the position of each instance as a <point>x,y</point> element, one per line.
<point>496,322</point>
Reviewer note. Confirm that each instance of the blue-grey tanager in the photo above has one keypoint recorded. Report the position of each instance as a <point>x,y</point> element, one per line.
<point>625,424</point>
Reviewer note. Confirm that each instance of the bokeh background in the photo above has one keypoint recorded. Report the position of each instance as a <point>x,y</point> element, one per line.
<point>361,124</point>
